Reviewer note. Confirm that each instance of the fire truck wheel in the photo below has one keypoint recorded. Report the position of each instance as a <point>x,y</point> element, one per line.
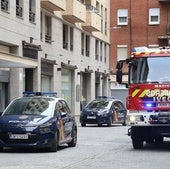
<point>1,149</point>
<point>137,143</point>
<point>150,140</point>
<point>83,124</point>
<point>159,140</point>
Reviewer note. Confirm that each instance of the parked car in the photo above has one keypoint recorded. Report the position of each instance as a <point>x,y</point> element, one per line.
<point>104,110</point>
<point>38,120</point>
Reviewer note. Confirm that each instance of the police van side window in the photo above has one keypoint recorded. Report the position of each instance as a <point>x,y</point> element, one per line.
<point>65,107</point>
<point>57,109</point>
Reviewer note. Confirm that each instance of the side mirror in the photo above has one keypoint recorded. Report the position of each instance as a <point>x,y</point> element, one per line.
<point>119,65</point>
<point>116,108</point>
<point>119,76</point>
<point>63,114</point>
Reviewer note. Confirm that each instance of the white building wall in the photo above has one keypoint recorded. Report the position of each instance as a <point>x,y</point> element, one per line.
<point>14,30</point>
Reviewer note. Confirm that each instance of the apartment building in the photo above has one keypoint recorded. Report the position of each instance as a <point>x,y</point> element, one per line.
<point>55,45</point>
<point>136,23</point>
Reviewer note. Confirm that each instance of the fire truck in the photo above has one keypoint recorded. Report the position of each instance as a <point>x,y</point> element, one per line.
<point>148,99</point>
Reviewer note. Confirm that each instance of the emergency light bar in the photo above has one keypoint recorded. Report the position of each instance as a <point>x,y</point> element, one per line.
<point>140,49</point>
<point>105,97</point>
<point>31,94</point>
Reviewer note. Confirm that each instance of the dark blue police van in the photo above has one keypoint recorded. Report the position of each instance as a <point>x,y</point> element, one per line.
<point>38,119</point>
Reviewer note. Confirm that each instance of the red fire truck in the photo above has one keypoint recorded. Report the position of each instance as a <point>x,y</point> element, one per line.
<point>148,99</point>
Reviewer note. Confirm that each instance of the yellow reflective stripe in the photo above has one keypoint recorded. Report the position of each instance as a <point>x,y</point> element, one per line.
<point>143,93</point>
<point>135,92</point>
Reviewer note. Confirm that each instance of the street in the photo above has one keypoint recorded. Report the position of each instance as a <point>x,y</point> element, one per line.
<point>97,148</point>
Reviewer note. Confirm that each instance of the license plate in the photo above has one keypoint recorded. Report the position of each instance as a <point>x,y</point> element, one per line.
<point>18,136</point>
<point>91,117</point>
<point>163,104</point>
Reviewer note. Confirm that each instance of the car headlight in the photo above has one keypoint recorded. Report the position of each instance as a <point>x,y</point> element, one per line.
<point>45,128</point>
<point>103,113</point>
<point>134,119</point>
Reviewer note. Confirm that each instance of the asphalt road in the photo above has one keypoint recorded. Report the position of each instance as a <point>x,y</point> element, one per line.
<point>97,148</point>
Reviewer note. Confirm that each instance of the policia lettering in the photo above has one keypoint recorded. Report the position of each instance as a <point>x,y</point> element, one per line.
<point>156,94</point>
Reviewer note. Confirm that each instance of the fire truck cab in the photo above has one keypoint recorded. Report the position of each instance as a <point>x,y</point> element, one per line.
<point>148,99</point>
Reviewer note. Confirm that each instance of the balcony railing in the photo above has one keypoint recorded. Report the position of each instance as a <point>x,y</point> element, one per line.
<point>31,16</point>
<point>4,5</point>
<point>91,8</point>
<point>48,39</point>
<point>65,45</point>
<point>19,11</point>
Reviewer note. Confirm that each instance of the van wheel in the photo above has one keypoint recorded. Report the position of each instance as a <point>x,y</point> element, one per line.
<point>55,144</point>
<point>74,138</point>
<point>110,122</point>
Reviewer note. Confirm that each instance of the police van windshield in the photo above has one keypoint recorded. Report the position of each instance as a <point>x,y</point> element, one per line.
<point>30,106</point>
<point>150,70</point>
<point>98,104</point>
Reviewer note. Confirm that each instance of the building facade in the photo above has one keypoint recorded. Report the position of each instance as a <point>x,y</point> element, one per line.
<point>133,24</point>
<point>55,45</point>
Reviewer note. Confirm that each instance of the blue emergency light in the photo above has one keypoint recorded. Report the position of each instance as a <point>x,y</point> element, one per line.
<point>31,94</point>
<point>140,49</point>
<point>150,105</point>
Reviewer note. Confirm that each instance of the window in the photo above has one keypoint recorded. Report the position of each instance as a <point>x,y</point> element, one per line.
<point>41,33</point>
<point>122,52</point>
<point>101,51</point>
<point>105,53</point>
<point>106,22</point>
<point>97,50</point>
<point>68,37</point>
<point>154,16</point>
<point>82,43</point>
<point>87,45</point>
<point>45,83</point>
<point>82,1</point>
<point>48,29</point>
<point>32,8</point>
<point>122,15</point>
<point>4,5</point>
<point>65,36</point>
<point>102,18</point>
<point>19,8</point>
<point>71,39</point>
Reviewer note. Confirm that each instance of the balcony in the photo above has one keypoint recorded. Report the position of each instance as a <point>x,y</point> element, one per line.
<point>53,5</point>
<point>93,19</point>
<point>75,11</point>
